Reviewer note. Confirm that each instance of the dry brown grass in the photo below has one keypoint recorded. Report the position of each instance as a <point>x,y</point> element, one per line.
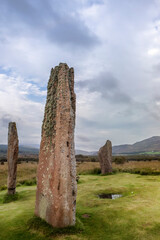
<point>153,165</point>
<point>25,171</point>
<point>86,166</point>
<point>145,166</point>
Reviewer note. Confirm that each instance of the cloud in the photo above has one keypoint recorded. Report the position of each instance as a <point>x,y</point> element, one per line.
<point>15,105</point>
<point>49,19</point>
<point>5,119</point>
<point>84,138</point>
<point>108,86</point>
<point>115,54</point>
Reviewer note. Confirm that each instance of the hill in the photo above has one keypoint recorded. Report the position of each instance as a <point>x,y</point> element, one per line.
<point>85,153</point>
<point>147,145</point>
<point>22,150</point>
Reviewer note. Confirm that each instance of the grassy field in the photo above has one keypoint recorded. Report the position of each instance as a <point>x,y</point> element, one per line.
<point>26,172</point>
<point>134,216</point>
<point>142,167</point>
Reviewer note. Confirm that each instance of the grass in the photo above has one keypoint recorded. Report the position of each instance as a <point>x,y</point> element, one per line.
<point>10,198</point>
<point>141,167</point>
<point>37,224</point>
<point>137,167</point>
<point>26,174</point>
<point>151,153</point>
<point>134,216</point>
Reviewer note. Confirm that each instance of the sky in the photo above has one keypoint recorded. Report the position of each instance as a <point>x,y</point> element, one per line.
<point>114,47</point>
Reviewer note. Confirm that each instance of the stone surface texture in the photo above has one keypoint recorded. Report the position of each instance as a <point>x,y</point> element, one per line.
<point>105,157</point>
<point>12,157</point>
<point>56,176</point>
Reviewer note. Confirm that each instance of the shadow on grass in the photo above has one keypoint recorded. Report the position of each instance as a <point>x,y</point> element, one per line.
<point>41,226</point>
<point>18,196</point>
<point>97,171</point>
<point>7,198</point>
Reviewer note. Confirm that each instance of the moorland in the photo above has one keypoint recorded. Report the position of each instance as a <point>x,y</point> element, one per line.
<point>135,215</point>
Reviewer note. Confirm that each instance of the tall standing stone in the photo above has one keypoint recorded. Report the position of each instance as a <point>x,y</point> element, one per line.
<point>56,177</point>
<point>105,157</point>
<point>12,157</point>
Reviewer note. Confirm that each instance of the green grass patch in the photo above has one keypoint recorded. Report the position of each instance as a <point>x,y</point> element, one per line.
<point>27,182</point>
<point>150,153</point>
<point>4,187</point>
<point>135,215</point>
<point>10,198</point>
<point>38,225</point>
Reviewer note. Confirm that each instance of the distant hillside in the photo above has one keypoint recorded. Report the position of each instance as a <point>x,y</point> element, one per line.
<point>35,150</point>
<point>22,149</point>
<point>85,153</point>
<point>148,145</point>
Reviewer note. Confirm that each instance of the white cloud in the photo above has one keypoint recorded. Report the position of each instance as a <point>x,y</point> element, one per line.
<point>94,37</point>
<point>153,51</point>
<point>15,105</point>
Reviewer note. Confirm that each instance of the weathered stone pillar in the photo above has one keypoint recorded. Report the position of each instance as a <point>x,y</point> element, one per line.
<point>56,176</point>
<point>12,157</point>
<point>105,157</point>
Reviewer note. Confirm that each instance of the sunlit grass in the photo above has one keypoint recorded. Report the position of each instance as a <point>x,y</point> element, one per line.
<point>136,215</point>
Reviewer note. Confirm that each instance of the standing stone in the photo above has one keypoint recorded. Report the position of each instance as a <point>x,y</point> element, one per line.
<point>56,177</point>
<point>12,157</point>
<point>105,157</point>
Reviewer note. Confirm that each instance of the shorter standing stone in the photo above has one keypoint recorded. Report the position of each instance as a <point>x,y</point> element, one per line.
<point>12,157</point>
<point>105,157</point>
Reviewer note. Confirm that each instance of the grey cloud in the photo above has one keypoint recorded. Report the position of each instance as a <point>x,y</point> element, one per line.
<point>108,86</point>
<point>87,122</point>
<point>71,32</point>
<point>45,19</point>
<point>156,68</point>
<point>96,1</point>
<point>83,138</point>
<point>118,122</point>
<point>4,120</point>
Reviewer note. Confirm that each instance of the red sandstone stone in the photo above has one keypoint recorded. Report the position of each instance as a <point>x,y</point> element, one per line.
<point>105,157</point>
<point>12,157</point>
<point>56,177</point>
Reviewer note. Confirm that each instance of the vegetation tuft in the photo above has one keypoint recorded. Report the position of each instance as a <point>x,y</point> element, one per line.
<point>120,160</point>
<point>10,198</point>
<point>27,182</point>
<point>4,187</point>
<point>41,226</point>
<point>94,171</point>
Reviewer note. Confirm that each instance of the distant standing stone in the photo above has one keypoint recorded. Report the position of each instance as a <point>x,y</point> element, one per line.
<point>12,157</point>
<point>105,157</point>
<point>56,176</point>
